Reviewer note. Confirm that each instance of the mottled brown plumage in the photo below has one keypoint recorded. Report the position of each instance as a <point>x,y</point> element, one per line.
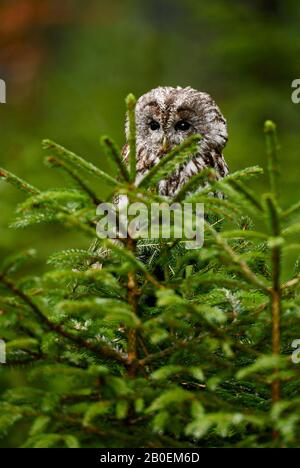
<point>165,117</point>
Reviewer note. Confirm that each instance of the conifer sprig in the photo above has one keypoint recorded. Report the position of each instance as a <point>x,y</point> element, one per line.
<point>273,159</point>
<point>55,162</point>
<point>79,162</point>
<point>114,153</point>
<point>18,183</point>
<point>131,103</point>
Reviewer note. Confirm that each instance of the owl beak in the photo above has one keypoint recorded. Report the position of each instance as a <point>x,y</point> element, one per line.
<point>165,145</point>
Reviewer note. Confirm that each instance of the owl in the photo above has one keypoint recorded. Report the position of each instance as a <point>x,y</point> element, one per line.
<point>165,117</point>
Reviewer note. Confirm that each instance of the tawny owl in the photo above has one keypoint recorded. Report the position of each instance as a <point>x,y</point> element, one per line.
<point>165,117</point>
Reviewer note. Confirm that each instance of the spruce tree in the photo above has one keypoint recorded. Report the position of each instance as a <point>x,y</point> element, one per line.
<point>147,344</point>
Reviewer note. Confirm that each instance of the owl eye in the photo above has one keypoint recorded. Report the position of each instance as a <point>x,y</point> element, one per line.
<point>182,126</point>
<point>154,125</point>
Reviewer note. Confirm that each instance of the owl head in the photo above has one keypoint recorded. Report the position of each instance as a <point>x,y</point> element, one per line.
<point>166,116</point>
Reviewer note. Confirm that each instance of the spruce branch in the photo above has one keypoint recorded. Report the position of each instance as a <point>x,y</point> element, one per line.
<point>244,268</point>
<point>114,153</point>
<point>274,215</point>
<point>130,104</point>
<point>290,211</point>
<point>18,183</point>
<point>50,216</point>
<point>245,234</point>
<point>240,187</point>
<point>198,327</point>
<point>194,182</point>
<point>79,162</point>
<point>179,344</point>
<point>276,291</point>
<point>222,184</point>
<point>273,160</point>
<point>102,349</point>
<point>136,263</point>
<point>54,161</point>
<point>291,283</point>
<point>133,294</point>
<point>57,213</point>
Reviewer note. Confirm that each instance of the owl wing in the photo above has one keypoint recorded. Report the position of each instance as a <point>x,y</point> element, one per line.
<point>215,160</point>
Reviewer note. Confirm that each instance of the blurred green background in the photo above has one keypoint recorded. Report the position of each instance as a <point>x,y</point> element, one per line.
<point>68,66</point>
